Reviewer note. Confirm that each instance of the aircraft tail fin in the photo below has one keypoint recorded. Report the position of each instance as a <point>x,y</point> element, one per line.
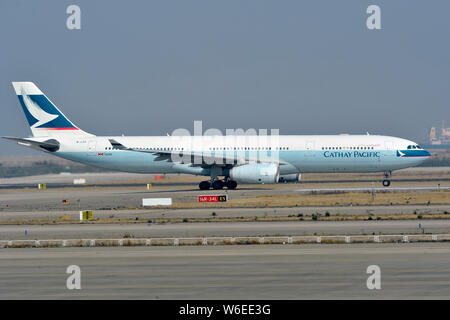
<point>44,118</point>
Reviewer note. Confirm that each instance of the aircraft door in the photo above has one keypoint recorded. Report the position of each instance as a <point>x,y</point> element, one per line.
<point>389,145</point>
<point>310,146</point>
<point>92,147</point>
<point>388,148</point>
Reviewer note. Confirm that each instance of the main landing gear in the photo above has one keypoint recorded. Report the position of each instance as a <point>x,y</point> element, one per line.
<point>218,184</point>
<point>386,182</point>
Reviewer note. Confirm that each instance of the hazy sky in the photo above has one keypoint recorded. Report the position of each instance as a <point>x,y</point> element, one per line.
<point>305,67</point>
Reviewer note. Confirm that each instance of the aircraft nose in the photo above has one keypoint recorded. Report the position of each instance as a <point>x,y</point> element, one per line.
<point>423,156</point>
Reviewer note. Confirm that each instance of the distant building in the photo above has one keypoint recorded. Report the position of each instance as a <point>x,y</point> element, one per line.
<point>440,137</point>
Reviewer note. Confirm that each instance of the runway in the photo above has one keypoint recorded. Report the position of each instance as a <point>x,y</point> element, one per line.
<point>390,189</point>
<point>122,198</point>
<point>217,229</point>
<point>414,175</point>
<point>408,271</point>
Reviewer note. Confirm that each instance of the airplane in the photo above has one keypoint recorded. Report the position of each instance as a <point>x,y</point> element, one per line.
<point>226,160</point>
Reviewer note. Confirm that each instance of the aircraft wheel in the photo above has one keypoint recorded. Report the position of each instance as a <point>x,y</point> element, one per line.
<point>218,185</point>
<point>231,184</point>
<point>204,185</point>
<point>386,183</point>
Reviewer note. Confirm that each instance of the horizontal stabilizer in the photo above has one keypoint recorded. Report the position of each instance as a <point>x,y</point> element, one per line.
<point>50,145</point>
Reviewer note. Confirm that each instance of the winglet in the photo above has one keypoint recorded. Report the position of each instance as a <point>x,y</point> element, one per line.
<point>117,145</point>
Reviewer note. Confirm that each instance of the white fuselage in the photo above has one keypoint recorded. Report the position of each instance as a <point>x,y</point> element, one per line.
<point>296,153</point>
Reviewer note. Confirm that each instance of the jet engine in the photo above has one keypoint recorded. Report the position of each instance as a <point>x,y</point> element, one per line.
<point>256,173</point>
<point>294,177</point>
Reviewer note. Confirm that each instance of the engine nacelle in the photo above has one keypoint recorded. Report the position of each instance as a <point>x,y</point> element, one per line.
<point>256,173</point>
<point>294,177</point>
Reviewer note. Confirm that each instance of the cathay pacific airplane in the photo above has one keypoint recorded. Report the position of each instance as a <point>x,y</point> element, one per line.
<point>227,160</point>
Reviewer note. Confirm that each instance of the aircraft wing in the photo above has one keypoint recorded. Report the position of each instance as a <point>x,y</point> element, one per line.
<point>208,160</point>
<point>50,145</point>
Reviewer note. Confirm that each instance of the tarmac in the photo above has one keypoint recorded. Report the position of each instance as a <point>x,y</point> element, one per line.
<point>297,271</point>
<point>119,199</point>
<point>408,271</point>
<point>221,229</point>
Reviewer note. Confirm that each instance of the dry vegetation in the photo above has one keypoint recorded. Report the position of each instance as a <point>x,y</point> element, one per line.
<point>332,199</point>
<point>306,217</point>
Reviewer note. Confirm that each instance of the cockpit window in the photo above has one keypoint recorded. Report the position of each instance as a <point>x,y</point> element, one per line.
<point>409,147</point>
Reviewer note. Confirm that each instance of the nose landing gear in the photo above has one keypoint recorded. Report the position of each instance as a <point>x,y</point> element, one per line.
<point>387,175</point>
